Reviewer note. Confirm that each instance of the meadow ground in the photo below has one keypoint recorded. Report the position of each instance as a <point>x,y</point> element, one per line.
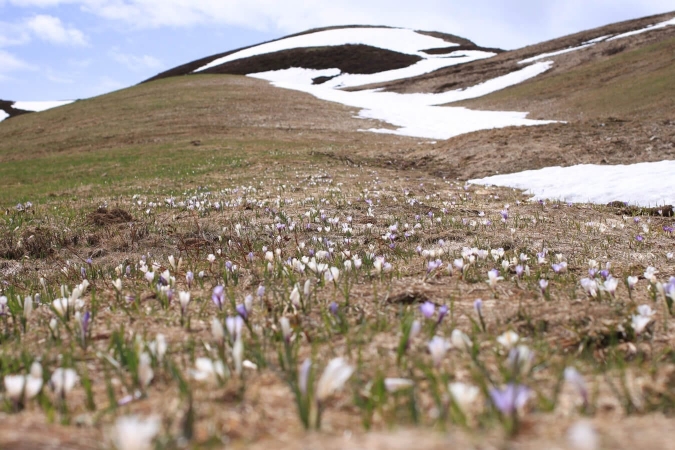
<point>174,212</point>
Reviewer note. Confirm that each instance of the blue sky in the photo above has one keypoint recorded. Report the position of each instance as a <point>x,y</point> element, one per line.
<point>67,49</point>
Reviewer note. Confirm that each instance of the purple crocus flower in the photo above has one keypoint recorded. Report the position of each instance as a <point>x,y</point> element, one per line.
<point>241,310</point>
<point>218,296</point>
<point>519,270</point>
<point>504,213</point>
<point>189,277</point>
<point>639,238</point>
<point>333,308</point>
<point>83,272</point>
<point>604,273</point>
<point>228,266</point>
<point>442,312</point>
<point>478,306</point>
<point>261,290</point>
<point>427,309</point>
<point>510,399</point>
<point>85,324</point>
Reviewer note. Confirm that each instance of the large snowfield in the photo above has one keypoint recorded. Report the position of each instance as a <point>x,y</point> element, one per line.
<point>644,184</point>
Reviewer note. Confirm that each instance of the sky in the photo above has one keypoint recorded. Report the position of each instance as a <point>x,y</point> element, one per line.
<point>70,49</point>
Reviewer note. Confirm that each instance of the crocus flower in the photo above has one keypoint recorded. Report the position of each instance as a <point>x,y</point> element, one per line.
<point>234,326</point>
<point>574,378</point>
<point>519,270</point>
<point>217,330</point>
<point>334,376</point>
<point>511,398</point>
<point>145,372</point>
<point>560,267</point>
<point>184,300</point>
<point>610,285</point>
<point>442,312</point>
<point>427,309</point>
<point>463,394</point>
<point>397,384</point>
<point>520,359</point>
<point>631,282</point>
<point>218,296</point>
<point>133,433</point>
<point>437,348</point>
<point>189,278</point>
<point>493,278</point>
<point>295,296</point>
<point>590,286</point>
<point>642,318</point>
<point>333,308</point>
<point>460,340</point>
<point>63,381</point>
<point>478,306</point>
<point>303,375</point>
<point>543,285</point>
<point>207,369</point>
<point>286,330</point>
<point>241,310</point>
<point>508,339</point>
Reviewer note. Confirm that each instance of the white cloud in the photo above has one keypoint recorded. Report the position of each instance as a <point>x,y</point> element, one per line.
<point>51,29</point>
<point>10,63</point>
<point>134,62</point>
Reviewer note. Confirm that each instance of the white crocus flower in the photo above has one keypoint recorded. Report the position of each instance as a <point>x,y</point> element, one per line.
<point>334,376</point>
<point>295,296</point>
<point>508,339</point>
<point>158,347</point>
<point>460,340</point>
<point>437,348</point>
<point>133,433</point>
<point>63,381</point>
<point>397,384</point>
<point>184,299</point>
<point>145,372</point>
<point>463,394</point>
<point>207,369</point>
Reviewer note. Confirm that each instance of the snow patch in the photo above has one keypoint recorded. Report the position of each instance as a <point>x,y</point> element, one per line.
<point>559,52</point>
<point>40,106</point>
<point>642,184</point>
<point>598,39</point>
<point>416,115</point>
<point>419,68</point>
<point>3,115</point>
<point>644,30</point>
<point>606,38</point>
<point>396,39</point>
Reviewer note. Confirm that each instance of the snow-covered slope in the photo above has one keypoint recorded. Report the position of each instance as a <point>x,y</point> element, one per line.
<point>395,39</point>
<point>416,114</point>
